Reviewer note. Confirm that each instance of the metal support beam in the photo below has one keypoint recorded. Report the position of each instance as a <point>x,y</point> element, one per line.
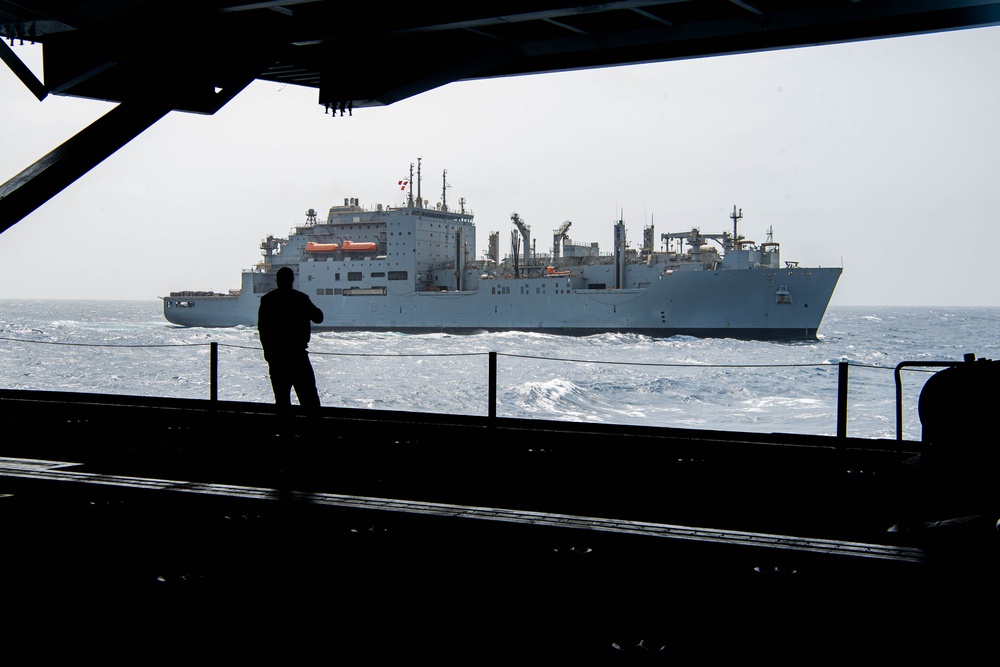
<point>22,72</point>
<point>51,174</point>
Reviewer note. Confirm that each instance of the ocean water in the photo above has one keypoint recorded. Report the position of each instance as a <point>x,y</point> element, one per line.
<point>126,347</point>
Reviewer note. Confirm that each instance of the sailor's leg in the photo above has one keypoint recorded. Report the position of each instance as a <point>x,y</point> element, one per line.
<point>281,384</point>
<point>305,387</point>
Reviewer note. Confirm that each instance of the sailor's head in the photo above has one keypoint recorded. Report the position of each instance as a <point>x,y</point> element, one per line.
<point>285,277</point>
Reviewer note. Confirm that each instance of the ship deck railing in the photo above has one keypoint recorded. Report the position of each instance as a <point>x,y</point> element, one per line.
<point>213,382</point>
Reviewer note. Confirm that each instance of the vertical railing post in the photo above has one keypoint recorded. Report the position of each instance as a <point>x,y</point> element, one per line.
<point>842,400</point>
<point>493,387</point>
<point>214,372</point>
<point>899,400</point>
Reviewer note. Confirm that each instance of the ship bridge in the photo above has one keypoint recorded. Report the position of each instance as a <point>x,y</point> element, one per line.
<point>153,57</point>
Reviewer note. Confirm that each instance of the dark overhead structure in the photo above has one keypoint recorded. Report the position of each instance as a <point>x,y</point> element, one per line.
<point>152,57</point>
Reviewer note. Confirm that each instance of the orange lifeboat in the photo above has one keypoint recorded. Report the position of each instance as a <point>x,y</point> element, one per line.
<point>312,246</point>
<point>551,271</point>
<point>350,246</point>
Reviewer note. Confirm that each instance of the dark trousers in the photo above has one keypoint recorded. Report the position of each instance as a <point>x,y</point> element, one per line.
<point>293,371</point>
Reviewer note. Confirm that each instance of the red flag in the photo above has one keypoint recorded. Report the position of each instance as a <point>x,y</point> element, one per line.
<point>402,184</point>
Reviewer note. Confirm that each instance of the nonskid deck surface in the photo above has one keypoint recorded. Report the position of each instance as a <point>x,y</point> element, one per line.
<point>34,470</point>
<point>386,575</point>
<point>683,477</point>
<point>403,533</point>
<point>820,487</point>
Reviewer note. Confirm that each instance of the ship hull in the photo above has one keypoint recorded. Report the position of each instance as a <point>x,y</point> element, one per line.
<point>733,304</point>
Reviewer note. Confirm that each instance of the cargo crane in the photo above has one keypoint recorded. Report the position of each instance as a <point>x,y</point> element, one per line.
<point>557,240</point>
<point>525,230</point>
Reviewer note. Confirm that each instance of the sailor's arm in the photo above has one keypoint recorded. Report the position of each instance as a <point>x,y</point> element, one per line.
<point>317,314</point>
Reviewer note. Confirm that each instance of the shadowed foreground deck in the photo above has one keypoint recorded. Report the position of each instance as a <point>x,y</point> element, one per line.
<point>197,523</point>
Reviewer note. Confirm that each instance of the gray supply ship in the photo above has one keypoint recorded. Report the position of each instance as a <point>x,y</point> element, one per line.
<point>414,269</point>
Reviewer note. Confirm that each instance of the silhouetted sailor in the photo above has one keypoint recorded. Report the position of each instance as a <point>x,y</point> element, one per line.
<point>284,325</point>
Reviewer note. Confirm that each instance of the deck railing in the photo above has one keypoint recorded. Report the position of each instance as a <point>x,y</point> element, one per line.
<point>842,394</point>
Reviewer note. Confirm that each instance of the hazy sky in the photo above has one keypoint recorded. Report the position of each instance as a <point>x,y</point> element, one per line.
<point>882,157</point>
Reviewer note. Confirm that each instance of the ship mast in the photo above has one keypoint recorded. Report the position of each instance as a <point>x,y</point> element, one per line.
<point>444,190</point>
<point>409,195</point>
<point>420,201</point>
<point>736,217</point>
